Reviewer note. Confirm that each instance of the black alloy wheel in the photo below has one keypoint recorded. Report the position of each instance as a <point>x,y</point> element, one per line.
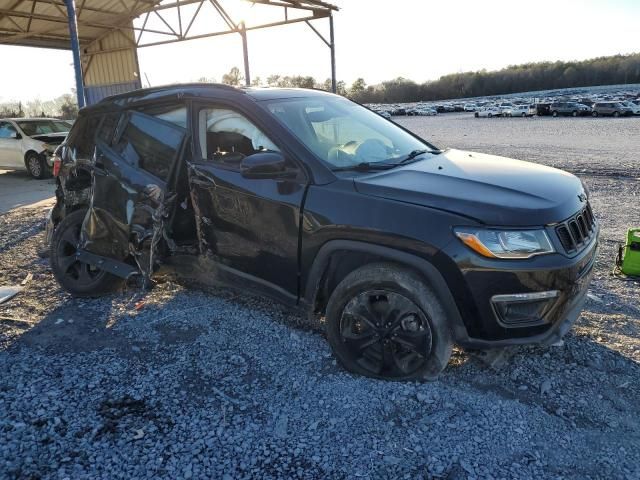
<point>76,277</point>
<point>385,333</point>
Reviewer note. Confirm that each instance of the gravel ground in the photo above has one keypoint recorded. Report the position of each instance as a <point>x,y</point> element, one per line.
<point>177,383</point>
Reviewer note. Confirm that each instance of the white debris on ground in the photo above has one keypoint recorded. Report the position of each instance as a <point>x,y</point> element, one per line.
<point>178,383</point>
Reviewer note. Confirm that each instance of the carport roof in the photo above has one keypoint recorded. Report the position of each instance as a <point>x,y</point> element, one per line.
<point>44,23</point>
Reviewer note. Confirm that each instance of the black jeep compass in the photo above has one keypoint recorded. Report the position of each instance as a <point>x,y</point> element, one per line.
<point>402,248</point>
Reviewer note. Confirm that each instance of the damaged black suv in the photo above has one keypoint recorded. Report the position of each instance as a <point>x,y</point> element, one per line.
<point>402,248</point>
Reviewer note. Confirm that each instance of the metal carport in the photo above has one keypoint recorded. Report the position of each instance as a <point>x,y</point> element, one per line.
<point>104,35</point>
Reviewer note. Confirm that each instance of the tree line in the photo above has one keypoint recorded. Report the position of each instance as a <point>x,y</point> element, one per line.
<point>612,70</point>
<point>65,106</point>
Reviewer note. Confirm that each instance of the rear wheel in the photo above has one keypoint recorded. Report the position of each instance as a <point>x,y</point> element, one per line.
<point>594,114</point>
<point>76,277</point>
<point>489,115</point>
<point>554,114</point>
<point>36,165</point>
<point>384,322</point>
<point>616,114</point>
<point>574,114</point>
<point>476,114</point>
<point>523,114</point>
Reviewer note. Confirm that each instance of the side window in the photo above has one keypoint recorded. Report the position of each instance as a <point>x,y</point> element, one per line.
<point>150,145</point>
<point>108,127</point>
<point>7,130</point>
<point>81,138</point>
<point>226,136</point>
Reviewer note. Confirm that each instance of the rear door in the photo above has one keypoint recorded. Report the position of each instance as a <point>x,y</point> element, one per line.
<point>135,156</point>
<point>10,146</point>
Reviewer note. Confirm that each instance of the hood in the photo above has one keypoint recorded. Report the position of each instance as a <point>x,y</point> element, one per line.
<point>490,189</point>
<point>52,138</point>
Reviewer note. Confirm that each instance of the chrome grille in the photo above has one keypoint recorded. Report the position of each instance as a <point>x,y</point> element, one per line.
<point>576,232</point>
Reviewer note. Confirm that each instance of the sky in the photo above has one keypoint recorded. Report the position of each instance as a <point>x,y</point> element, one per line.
<point>375,39</point>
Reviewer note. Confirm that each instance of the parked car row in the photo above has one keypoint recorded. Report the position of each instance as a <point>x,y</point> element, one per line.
<point>590,101</point>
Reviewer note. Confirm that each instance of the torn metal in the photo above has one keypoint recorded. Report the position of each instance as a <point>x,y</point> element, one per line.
<point>130,199</point>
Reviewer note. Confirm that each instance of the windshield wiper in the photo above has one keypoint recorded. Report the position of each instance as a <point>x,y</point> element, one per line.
<point>414,154</point>
<point>375,166</point>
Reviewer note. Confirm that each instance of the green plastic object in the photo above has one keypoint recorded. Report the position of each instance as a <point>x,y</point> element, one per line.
<point>631,254</point>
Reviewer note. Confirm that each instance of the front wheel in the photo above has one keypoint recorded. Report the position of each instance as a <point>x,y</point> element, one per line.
<point>476,114</point>
<point>616,114</point>
<point>78,278</point>
<point>574,114</point>
<point>489,115</point>
<point>36,166</point>
<point>384,322</point>
<point>594,114</point>
<point>554,114</point>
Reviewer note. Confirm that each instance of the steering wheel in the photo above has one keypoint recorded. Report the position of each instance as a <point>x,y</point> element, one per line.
<point>354,152</point>
<point>371,150</point>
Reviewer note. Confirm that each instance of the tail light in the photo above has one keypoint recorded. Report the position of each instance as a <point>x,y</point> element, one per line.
<point>57,164</point>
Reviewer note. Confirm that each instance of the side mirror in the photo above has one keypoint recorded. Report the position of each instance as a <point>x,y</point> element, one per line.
<point>265,165</point>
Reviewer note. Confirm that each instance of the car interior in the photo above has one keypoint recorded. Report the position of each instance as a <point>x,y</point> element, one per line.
<point>225,137</point>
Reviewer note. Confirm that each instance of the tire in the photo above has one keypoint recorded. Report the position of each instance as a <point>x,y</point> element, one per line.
<point>477,115</point>
<point>77,278</point>
<point>554,114</point>
<point>616,114</point>
<point>594,114</point>
<point>384,322</point>
<point>574,114</point>
<point>523,115</point>
<point>36,166</point>
<point>489,115</point>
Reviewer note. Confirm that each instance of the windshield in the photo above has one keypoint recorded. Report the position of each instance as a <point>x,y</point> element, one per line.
<point>343,133</point>
<point>42,127</point>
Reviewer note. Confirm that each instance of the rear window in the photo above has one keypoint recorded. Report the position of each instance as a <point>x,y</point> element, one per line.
<point>150,145</point>
<point>108,127</point>
<point>173,113</point>
<point>81,139</point>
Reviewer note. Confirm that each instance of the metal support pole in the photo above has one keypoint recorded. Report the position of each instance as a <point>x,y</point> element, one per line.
<point>332,46</point>
<point>75,49</point>
<point>245,53</point>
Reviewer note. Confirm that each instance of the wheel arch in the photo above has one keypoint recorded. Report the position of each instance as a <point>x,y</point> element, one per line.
<point>27,153</point>
<point>338,258</point>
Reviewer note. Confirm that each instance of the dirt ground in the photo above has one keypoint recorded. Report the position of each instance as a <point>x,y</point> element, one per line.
<point>18,189</point>
<point>177,383</point>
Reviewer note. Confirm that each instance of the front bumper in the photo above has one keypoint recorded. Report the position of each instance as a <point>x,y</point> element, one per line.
<point>481,280</point>
<point>48,157</point>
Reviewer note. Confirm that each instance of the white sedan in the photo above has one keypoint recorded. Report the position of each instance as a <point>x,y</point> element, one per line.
<point>635,109</point>
<point>28,143</point>
<point>520,111</point>
<point>488,112</point>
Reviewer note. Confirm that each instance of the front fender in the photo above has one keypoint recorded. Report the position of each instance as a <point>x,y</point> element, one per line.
<point>425,268</point>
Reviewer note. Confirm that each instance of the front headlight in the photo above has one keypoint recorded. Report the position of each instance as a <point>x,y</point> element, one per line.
<point>506,243</point>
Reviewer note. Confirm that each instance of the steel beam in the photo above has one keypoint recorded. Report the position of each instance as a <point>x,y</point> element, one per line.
<point>334,84</point>
<point>75,49</point>
<point>245,55</point>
